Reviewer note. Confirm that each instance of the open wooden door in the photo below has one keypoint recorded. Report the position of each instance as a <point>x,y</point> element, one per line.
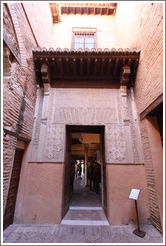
<point>103,170</point>
<point>67,166</point>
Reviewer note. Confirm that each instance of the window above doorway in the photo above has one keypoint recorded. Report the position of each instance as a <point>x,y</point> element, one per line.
<point>84,38</point>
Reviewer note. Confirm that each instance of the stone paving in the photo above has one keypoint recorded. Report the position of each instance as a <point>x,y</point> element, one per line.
<point>58,233</point>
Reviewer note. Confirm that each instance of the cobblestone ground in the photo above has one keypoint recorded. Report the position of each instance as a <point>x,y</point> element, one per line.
<point>49,233</point>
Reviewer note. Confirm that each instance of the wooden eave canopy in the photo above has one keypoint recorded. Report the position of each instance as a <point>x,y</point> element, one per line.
<point>61,8</point>
<point>113,67</point>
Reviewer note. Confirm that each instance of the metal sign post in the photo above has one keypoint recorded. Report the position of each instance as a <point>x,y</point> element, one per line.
<point>134,195</point>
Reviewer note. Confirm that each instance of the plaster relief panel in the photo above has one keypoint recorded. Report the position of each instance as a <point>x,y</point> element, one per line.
<point>83,106</point>
<point>54,144</point>
<point>84,116</point>
<point>115,144</point>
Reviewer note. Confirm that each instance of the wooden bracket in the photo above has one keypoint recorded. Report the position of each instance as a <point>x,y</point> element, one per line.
<point>126,71</point>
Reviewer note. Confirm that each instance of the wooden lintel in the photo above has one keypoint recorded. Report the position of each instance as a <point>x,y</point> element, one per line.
<point>62,55</point>
<point>86,83</point>
<point>91,77</point>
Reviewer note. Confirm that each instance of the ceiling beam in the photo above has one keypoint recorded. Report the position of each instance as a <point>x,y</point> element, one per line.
<point>102,66</point>
<point>67,66</point>
<point>88,67</point>
<point>60,66</point>
<point>54,66</point>
<point>74,67</point>
<point>116,67</point>
<point>109,66</point>
<point>95,66</point>
<point>81,66</point>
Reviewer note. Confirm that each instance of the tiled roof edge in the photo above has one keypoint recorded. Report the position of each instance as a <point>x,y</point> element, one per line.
<point>98,50</point>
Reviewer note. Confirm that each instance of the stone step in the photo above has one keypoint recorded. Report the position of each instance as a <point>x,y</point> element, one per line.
<point>92,216</point>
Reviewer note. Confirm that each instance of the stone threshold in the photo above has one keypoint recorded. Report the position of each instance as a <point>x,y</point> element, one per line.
<point>85,222</point>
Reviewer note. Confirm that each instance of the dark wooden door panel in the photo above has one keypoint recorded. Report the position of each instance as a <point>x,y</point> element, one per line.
<point>104,192</point>
<point>13,188</point>
<point>67,165</point>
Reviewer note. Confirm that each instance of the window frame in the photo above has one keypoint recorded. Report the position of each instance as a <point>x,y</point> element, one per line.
<point>84,32</point>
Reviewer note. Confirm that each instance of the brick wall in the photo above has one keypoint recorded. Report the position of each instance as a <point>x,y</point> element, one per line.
<point>140,26</point>
<point>143,30</point>
<point>19,89</point>
<point>150,178</point>
<point>41,21</point>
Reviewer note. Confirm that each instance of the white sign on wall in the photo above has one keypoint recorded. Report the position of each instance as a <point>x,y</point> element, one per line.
<point>134,194</point>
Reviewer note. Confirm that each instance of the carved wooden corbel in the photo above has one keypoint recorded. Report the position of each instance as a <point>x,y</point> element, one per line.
<point>45,73</point>
<point>126,71</point>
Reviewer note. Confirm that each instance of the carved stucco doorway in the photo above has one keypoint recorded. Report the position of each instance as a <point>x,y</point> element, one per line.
<point>84,143</point>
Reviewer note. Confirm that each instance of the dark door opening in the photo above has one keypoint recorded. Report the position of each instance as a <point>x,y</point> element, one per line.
<point>84,144</point>
<point>13,188</point>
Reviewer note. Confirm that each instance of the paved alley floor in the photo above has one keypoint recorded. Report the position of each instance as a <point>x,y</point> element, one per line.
<point>53,233</point>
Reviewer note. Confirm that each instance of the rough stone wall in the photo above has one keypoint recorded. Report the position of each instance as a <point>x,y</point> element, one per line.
<point>143,30</point>
<point>19,90</point>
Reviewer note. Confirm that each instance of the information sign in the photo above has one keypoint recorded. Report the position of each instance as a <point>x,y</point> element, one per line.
<point>134,194</point>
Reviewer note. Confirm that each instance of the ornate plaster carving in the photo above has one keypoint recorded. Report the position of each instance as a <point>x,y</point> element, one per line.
<point>54,145</point>
<point>115,144</point>
<point>85,116</point>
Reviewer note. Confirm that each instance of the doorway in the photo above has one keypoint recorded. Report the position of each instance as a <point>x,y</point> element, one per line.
<point>84,145</point>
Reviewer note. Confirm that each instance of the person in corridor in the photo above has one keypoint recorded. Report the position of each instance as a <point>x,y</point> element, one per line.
<point>90,171</point>
<point>96,177</point>
<point>72,175</point>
